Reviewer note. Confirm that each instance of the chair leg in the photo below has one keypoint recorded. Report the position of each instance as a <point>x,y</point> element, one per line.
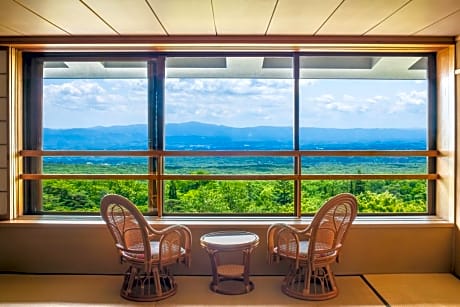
<point>142,286</point>
<point>294,282</point>
<point>128,281</point>
<point>332,285</point>
<point>157,282</point>
<point>308,283</point>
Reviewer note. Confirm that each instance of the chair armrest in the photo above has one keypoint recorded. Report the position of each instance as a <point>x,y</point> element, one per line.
<point>274,230</point>
<point>173,236</point>
<point>283,241</point>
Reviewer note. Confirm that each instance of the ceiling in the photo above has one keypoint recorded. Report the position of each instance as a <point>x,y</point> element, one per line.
<point>230,17</point>
<point>311,67</point>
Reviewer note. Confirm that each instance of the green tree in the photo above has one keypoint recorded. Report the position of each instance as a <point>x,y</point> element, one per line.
<point>172,191</point>
<point>283,192</point>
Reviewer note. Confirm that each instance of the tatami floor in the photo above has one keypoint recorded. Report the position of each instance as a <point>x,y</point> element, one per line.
<point>99,290</point>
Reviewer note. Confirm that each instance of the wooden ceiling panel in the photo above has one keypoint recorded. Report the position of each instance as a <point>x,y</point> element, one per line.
<point>70,15</point>
<point>356,17</point>
<point>127,16</point>
<point>415,16</point>
<point>230,17</point>
<point>447,26</point>
<point>301,16</point>
<point>7,31</point>
<point>16,18</point>
<point>185,16</point>
<point>242,16</point>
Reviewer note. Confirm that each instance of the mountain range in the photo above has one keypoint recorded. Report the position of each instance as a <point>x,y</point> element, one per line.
<point>201,136</point>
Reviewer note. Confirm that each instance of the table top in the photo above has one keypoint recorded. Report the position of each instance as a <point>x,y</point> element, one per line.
<point>229,240</point>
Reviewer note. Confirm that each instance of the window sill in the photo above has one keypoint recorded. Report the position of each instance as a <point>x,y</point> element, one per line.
<point>227,222</point>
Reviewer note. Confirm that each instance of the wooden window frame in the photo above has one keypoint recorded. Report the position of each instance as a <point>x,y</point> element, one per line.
<point>32,175</point>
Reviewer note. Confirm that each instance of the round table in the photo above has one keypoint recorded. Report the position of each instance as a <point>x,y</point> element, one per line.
<point>232,277</point>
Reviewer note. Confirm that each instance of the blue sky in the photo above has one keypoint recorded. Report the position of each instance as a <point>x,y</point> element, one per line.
<point>344,103</point>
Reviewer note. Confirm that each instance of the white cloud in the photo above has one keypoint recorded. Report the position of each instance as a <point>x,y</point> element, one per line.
<point>325,98</point>
<point>236,102</point>
<point>101,95</point>
<point>347,103</point>
<point>342,107</point>
<point>413,97</point>
<point>88,102</point>
<point>376,99</point>
<point>409,102</point>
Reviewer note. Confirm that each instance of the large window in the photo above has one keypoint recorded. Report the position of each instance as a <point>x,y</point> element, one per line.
<point>229,134</point>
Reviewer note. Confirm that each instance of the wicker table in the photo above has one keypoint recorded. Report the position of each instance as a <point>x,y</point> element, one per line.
<point>230,277</point>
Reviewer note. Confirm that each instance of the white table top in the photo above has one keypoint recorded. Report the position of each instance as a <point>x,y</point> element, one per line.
<point>231,239</point>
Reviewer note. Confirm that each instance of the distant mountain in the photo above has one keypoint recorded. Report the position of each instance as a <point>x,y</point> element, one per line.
<point>108,138</point>
<point>196,136</point>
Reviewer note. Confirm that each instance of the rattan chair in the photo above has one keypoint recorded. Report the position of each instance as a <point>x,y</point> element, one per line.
<point>312,250</point>
<point>148,252</point>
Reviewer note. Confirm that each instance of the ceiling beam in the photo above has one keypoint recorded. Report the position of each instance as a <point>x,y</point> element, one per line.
<point>226,39</point>
<point>177,43</point>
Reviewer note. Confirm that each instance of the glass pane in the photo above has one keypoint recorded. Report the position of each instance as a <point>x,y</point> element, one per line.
<point>229,197</point>
<point>362,102</point>
<point>95,105</point>
<point>229,103</point>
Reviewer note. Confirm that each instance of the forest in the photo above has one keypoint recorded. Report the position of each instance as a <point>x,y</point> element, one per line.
<point>244,197</point>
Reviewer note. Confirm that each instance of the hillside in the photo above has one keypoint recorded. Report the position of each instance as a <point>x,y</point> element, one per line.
<point>200,136</point>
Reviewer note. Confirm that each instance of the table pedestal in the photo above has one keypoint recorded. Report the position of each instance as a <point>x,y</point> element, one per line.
<point>230,278</point>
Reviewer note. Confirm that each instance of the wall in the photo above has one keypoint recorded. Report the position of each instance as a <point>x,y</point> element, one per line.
<point>4,110</point>
<point>457,211</point>
<point>88,248</point>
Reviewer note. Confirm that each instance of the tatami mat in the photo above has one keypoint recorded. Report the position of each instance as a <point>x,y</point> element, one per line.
<point>97,290</point>
<point>60,290</point>
<point>267,292</point>
<point>78,290</point>
<point>417,289</point>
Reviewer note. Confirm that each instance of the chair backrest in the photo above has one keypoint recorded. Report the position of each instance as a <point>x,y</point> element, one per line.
<point>330,226</point>
<point>127,226</point>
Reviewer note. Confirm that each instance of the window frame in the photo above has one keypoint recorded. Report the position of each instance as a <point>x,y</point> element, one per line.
<point>32,175</point>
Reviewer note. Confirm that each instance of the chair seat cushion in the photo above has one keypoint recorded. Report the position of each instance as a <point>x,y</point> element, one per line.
<point>138,252</point>
<point>289,250</point>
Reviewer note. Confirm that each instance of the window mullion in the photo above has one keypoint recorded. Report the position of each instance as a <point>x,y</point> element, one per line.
<point>156,73</point>
<point>297,159</point>
<point>33,134</point>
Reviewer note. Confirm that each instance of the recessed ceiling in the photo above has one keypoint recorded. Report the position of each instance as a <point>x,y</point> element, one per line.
<point>311,67</point>
<point>229,17</point>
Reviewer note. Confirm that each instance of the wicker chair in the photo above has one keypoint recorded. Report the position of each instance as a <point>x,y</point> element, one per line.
<point>148,277</point>
<point>312,250</point>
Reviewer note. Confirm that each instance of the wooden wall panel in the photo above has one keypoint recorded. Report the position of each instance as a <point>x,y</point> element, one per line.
<point>456,253</point>
<point>4,132</point>
<point>89,249</point>
<point>445,188</point>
